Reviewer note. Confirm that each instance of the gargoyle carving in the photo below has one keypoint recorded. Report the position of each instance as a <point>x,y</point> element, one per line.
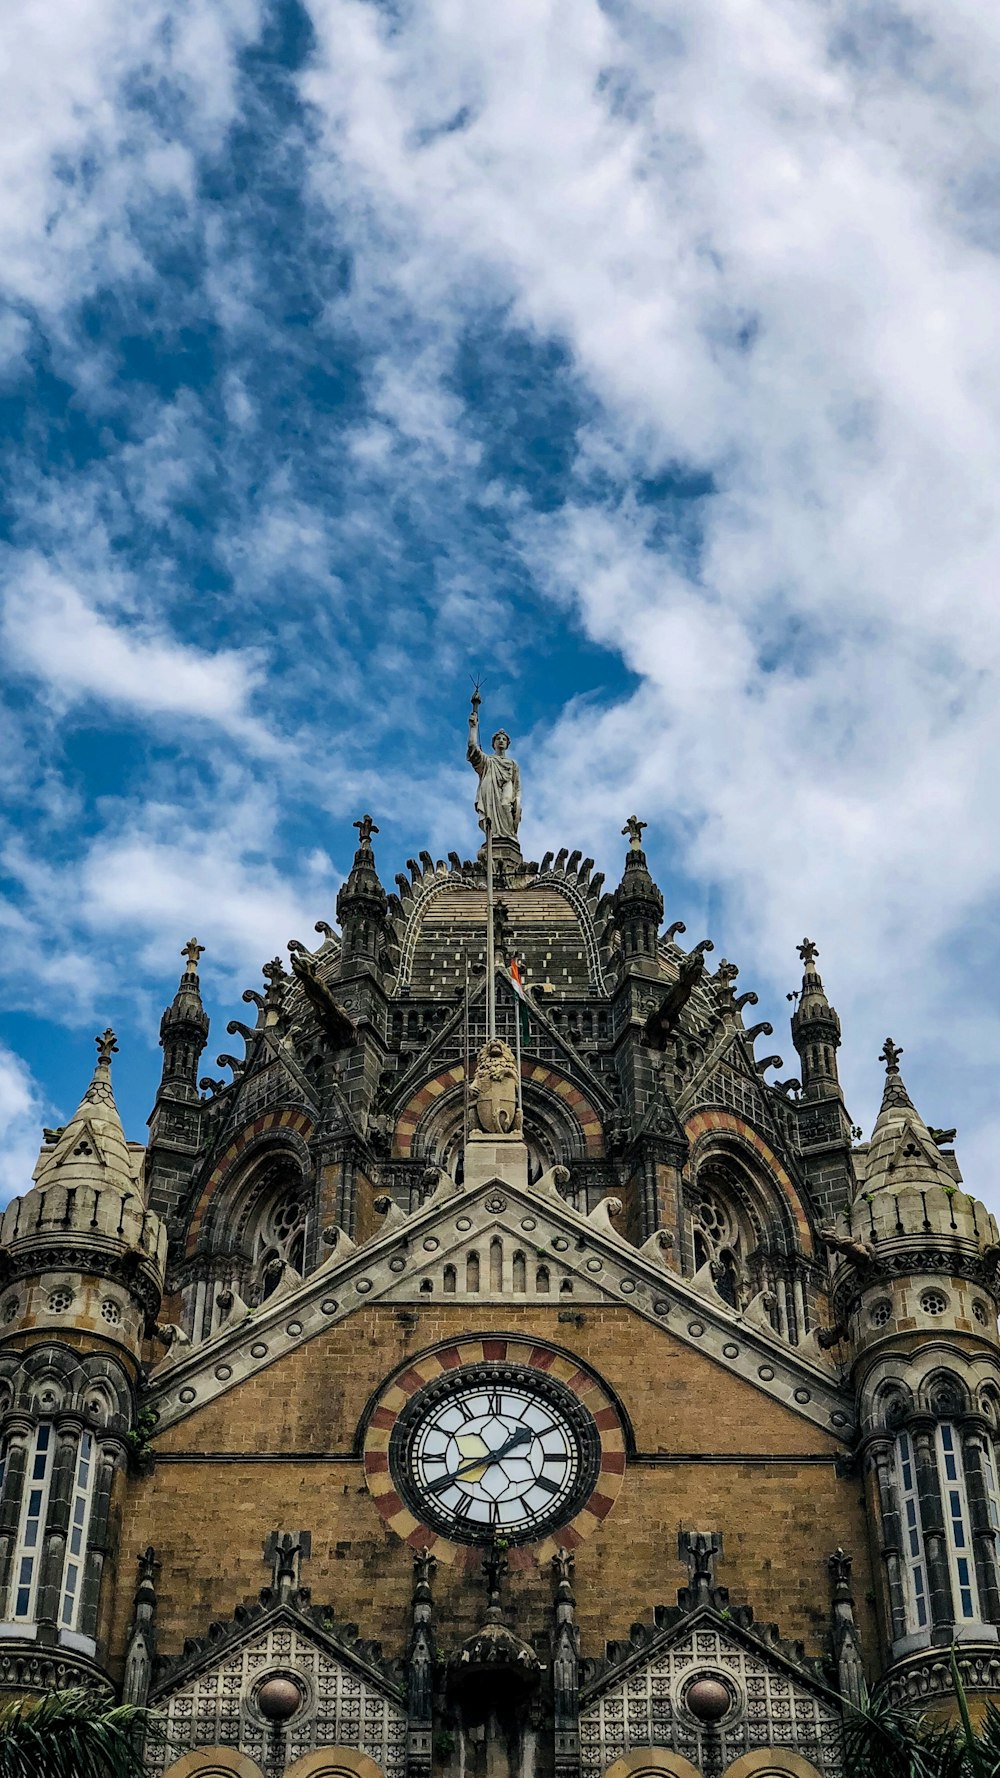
<point>340,1029</point>
<point>860,1253</point>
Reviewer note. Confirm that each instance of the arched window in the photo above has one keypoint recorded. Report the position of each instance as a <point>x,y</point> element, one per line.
<point>31,1530</point>
<point>281,1237</point>
<point>958,1488</point>
<point>35,1501</point>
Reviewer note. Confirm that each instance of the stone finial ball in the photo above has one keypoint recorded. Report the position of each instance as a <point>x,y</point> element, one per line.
<point>279,1698</point>
<point>708,1699</point>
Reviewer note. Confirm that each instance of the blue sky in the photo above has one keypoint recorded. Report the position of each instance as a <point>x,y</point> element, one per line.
<point>641,356</point>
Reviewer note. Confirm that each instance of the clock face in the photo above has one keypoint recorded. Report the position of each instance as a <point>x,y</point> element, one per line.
<point>495,1453</point>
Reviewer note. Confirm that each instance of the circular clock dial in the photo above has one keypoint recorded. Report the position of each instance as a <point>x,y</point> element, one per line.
<point>486,1455</point>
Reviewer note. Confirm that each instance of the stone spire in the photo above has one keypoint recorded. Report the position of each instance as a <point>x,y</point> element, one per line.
<point>184,1029</point>
<point>902,1153</point>
<point>361,903</point>
<point>638,903</point>
<point>815,1030</point>
<point>91,1149</point>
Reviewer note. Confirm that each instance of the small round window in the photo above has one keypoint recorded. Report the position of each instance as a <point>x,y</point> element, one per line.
<point>881,1312</point>
<point>981,1312</point>
<point>59,1300</point>
<point>10,1309</point>
<point>934,1302</point>
<point>110,1312</point>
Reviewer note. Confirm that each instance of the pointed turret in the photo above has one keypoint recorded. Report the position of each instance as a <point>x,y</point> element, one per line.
<point>362,904</point>
<point>68,1237</point>
<point>91,1149</point>
<point>902,1152</point>
<point>184,1028</point>
<point>815,1030</point>
<point>175,1122</point>
<point>82,1267</point>
<point>638,903</point>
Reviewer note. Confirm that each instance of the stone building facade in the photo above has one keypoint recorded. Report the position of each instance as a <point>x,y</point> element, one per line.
<point>624,1433</point>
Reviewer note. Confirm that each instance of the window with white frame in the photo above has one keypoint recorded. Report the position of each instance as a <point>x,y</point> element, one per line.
<point>76,1542</point>
<point>32,1527</point>
<point>914,1561</point>
<point>958,1524</point>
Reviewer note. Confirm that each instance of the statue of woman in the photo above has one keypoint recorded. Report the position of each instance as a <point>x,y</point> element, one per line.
<point>498,799</point>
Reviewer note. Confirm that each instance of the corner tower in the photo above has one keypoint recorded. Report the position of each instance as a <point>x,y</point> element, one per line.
<point>83,1267</point>
<point>916,1290</point>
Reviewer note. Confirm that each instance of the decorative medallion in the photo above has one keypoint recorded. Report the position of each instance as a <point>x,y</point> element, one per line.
<point>494,1438</point>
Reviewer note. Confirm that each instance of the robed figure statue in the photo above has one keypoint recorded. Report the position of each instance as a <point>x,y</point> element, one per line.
<point>498,799</point>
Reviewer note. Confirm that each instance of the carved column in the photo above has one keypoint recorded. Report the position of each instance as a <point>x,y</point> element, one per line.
<point>420,1695</point>
<point>984,1538</point>
<point>932,1523</point>
<point>565,1671</point>
<point>18,1434</point>
<point>53,1554</point>
<point>879,1464</point>
<point>109,1457</point>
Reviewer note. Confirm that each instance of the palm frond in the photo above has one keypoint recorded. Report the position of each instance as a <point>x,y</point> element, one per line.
<point>72,1734</point>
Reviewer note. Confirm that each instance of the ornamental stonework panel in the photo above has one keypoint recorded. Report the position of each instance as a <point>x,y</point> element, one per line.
<point>768,1709</point>
<point>340,1708</point>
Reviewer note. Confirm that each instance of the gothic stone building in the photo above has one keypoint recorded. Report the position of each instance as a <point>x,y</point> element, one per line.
<point>363,1425</point>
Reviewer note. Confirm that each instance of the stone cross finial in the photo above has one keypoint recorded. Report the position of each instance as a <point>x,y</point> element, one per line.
<point>366,827</point>
<point>890,1055</point>
<point>634,828</point>
<point>107,1045</point>
<point>274,971</point>
<point>808,951</point>
<point>192,951</point>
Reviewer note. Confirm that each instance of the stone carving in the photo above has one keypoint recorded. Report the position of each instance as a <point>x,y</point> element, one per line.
<point>498,799</point>
<point>645,1708</point>
<point>345,1707</point>
<point>494,1090</point>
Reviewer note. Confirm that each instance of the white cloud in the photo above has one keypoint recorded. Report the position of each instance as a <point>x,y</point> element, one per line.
<point>764,236</point>
<point>22,1111</point>
<point>81,149</point>
<point>79,652</point>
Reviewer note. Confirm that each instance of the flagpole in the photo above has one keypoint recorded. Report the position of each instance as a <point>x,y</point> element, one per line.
<point>517,1048</point>
<point>491,980</point>
<point>465,1068</point>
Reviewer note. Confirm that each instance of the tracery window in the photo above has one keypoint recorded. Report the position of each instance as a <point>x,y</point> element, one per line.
<point>281,1236</point>
<point>716,1237</point>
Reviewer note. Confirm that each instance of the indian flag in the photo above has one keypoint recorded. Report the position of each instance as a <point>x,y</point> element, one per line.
<point>524,1004</point>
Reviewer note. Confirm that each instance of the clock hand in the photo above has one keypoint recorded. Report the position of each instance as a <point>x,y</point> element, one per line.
<point>523,1435</point>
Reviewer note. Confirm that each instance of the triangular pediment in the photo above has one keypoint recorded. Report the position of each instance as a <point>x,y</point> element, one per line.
<point>205,1697</point>
<point>80,1140</point>
<point>636,1696</point>
<point>496,1221</point>
<point>913,1154</point>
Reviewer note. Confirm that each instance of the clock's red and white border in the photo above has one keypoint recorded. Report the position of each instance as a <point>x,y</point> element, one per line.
<point>532,1355</point>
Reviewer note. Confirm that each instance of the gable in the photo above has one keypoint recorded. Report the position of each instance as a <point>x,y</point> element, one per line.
<point>344,1703</point>
<point>397,1267</point>
<point>772,1706</point>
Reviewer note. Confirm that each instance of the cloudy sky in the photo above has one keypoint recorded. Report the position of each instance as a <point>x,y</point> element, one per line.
<point>642,355</point>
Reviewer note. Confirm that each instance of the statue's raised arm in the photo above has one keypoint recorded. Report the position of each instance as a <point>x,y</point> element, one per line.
<point>498,799</point>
